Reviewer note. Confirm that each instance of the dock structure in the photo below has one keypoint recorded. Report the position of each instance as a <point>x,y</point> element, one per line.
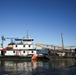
<point>67,51</point>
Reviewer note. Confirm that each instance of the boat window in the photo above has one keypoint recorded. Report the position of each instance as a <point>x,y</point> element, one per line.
<point>5,51</point>
<point>13,51</point>
<point>32,51</point>
<point>23,51</point>
<point>29,45</point>
<point>23,45</point>
<point>16,45</point>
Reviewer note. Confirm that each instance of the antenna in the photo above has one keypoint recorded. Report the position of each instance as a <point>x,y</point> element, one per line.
<point>3,39</point>
<point>27,32</point>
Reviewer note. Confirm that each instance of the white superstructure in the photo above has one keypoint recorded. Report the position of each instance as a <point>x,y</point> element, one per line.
<point>26,43</point>
<point>21,47</point>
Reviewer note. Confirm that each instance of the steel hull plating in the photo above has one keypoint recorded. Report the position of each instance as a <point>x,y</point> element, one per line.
<point>21,58</point>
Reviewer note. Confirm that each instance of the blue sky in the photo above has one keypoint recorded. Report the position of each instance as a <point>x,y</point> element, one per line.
<point>45,20</point>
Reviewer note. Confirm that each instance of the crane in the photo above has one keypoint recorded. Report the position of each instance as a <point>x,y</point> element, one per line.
<point>56,48</point>
<point>4,38</point>
<point>47,46</point>
<point>11,39</point>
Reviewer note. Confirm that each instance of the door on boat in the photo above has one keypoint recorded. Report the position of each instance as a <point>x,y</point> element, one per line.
<point>2,53</point>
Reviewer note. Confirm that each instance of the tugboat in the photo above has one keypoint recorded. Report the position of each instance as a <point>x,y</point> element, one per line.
<point>22,49</point>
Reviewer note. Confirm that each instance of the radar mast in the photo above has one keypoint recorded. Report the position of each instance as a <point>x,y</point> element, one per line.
<point>27,33</point>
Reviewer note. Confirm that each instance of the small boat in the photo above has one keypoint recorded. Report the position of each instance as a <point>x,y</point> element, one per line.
<point>21,49</point>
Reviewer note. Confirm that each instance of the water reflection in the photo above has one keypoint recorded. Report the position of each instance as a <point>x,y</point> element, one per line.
<point>52,67</point>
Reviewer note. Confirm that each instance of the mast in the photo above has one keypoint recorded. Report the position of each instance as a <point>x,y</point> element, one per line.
<point>3,39</point>
<point>27,33</point>
<point>62,42</point>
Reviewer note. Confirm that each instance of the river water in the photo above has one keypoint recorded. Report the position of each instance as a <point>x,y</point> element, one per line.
<point>50,67</point>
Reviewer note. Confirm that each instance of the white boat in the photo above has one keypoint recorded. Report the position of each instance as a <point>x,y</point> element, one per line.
<point>21,49</point>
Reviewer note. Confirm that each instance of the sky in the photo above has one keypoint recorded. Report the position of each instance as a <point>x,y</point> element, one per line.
<point>44,19</point>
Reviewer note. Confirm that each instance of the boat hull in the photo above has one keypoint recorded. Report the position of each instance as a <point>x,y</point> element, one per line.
<point>22,58</point>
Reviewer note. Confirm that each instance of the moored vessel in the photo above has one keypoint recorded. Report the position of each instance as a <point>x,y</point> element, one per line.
<point>21,49</point>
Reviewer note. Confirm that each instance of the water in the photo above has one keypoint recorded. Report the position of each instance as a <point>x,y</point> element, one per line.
<point>50,67</point>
